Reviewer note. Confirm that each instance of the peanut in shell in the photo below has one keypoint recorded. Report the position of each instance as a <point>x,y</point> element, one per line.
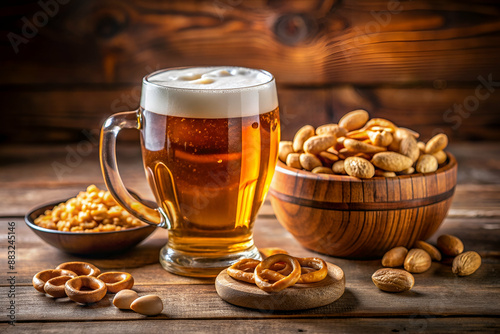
<point>331,129</point>
<point>322,170</point>
<point>317,144</point>
<point>285,148</point>
<point>450,245</point>
<point>338,167</point>
<point>380,138</point>
<point>431,250</point>
<point>427,163</point>
<point>293,160</point>
<point>417,261</point>
<point>466,263</point>
<point>301,136</point>
<point>391,161</point>
<point>393,280</point>
<point>409,147</point>
<point>394,257</point>
<point>354,120</point>
<point>357,146</point>
<point>436,143</point>
<point>440,156</point>
<point>309,161</point>
<point>359,167</point>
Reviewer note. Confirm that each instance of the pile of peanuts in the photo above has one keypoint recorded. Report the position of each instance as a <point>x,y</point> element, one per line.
<point>419,259</point>
<point>363,148</point>
<point>94,210</point>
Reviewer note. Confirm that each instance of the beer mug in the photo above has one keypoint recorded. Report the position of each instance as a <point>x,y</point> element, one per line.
<point>209,140</point>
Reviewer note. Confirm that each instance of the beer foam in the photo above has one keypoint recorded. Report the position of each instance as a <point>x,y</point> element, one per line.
<point>209,92</point>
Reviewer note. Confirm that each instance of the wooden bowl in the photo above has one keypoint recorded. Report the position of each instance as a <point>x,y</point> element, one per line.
<point>95,244</point>
<point>344,216</point>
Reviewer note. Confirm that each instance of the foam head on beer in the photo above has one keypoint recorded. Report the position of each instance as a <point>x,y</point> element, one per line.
<point>209,92</point>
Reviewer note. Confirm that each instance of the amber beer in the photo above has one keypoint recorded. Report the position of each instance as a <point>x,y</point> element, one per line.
<point>210,144</point>
<point>211,176</point>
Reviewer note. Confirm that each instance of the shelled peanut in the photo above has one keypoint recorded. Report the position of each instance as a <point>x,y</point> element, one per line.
<point>363,148</point>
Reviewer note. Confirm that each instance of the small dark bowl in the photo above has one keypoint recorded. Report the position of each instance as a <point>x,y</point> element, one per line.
<point>92,243</point>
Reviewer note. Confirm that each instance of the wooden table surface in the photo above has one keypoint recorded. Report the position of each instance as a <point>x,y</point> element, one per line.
<point>439,301</point>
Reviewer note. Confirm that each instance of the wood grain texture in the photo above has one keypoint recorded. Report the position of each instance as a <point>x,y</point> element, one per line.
<point>21,188</point>
<point>416,62</point>
<point>439,302</point>
<point>257,326</point>
<point>70,115</point>
<point>322,41</point>
<point>435,294</point>
<point>349,217</point>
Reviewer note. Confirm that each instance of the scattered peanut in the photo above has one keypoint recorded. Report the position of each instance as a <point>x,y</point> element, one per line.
<point>393,280</point>
<point>395,257</point>
<point>124,298</point>
<point>450,245</point>
<point>417,261</point>
<point>466,263</point>
<point>431,250</point>
<point>147,305</point>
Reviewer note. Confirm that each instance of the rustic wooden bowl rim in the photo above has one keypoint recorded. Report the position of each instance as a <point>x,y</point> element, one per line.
<point>283,168</point>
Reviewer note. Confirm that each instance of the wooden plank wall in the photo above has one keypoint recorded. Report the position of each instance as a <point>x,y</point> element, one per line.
<point>430,65</point>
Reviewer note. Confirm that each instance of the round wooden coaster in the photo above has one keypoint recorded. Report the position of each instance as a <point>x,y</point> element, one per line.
<point>297,297</point>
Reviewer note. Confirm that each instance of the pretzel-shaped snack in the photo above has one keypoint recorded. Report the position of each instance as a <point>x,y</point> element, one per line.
<point>116,281</point>
<point>85,289</point>
<point>55,286</point>
<point>243,270</point>
<point>308,276</point>
<point>80,268</point>
<point>42,277</point>
<point>262,272</point>
<point>282,268</point>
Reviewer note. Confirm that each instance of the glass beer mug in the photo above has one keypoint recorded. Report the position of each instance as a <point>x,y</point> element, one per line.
<point>209,140</point>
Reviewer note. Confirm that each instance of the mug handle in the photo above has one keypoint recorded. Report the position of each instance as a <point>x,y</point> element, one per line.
<point>107,153</point>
